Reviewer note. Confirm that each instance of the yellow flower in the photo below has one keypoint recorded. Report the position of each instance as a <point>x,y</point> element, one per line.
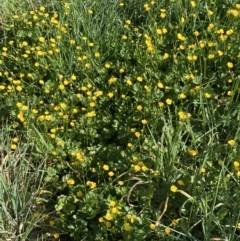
<point>90,184</point>
<point>192,57</point>
<point>79,194</point>
<point>84,88</point>
<point>75,110</point>
<point>152,226</point>
<point>173,188</point>
<point>93,185</point>
<point>91,114</point>
<point>182,96</point>
<point>193,4</point>
<point>201,44</point>
<point>16,139</point>
<point>229,32</point>
<point>168,101</point>
<point>180,182</point>
<point>19,88</point>
<point>42,9</point>
<point>101,220</point>
<point>193,152</point>
<point>167,230</point>
<point>63,105</point>
<point>166,56</point>
<point>196,33</point>
<point>207,95</point>
<point>137,168</point>
<point>56,235</point>
<point>211,56</point>
<point>147,88</point>
<point>110,94</point>
<point>231,142</point>
<point>230,65</point>
<point>197,87</point>
<point>127,227</point>
<point>114,210</point>
<point>164,30</point>
<point>129,82</point>
<point>210,13</point>
<point>41,39</point>
<point>135,158</point>
<point>97,55</point>
<point>163,15</point>
<point>131,217</point>
<point>174,222</point>
<point>146,6</point>
<point>223,37</point>
<point>161,104</point>
<point>70,182</point>
<point>234,12</point>
<point>137,134</point>
<point>107,66</point>
<point>112,203</point>
<point>120,183</point>
<point>139,79</point>
<point>236,165</point>
<point>109,216</point>
<point>106,167</point>
<point>139,107</point>
<point>144,122</point>
<point>111,174</point>
<point>181,37</point>
<point>129,145</point>
<point>92,104</point>
<point>42,118</point>
<point>13,146</point>
<point>19,104</point>
<point>73,77</point>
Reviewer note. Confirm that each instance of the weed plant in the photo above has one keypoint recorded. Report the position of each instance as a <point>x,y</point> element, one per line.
<point>134,106</point>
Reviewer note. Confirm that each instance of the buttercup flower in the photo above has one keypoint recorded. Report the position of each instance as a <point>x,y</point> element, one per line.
<point>173,188</point>
<point>231,142</point>
<point>70,181</point>
<point>193,152</point>
<point>230,65</point>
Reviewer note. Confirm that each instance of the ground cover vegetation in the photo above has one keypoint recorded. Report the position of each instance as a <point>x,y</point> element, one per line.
<point>120,120</point>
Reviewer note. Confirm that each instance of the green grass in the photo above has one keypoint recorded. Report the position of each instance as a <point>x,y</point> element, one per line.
<point>127,119</point>
<point>20,180</point>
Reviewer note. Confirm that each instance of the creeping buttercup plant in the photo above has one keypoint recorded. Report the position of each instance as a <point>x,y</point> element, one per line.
<point>133,105</point>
